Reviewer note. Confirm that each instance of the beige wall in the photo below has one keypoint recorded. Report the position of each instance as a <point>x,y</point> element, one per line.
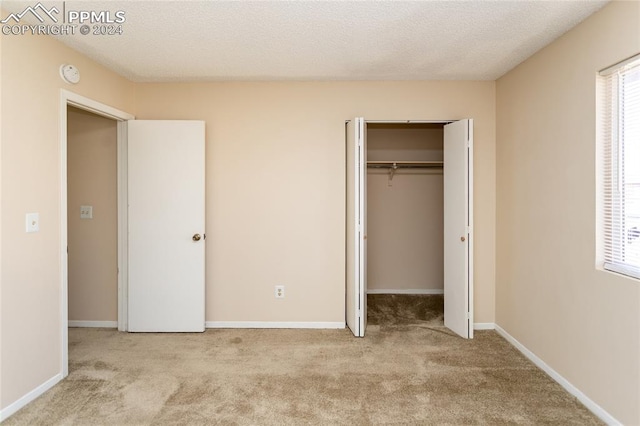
<point>412,142</point>
<point>582,321</point>
<point>30,274</point>
<point>93,243</point>
<point>405,224</point>
<point>275,161</point>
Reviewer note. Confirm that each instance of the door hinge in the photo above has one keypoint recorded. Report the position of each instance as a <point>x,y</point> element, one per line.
<point>468,315</point>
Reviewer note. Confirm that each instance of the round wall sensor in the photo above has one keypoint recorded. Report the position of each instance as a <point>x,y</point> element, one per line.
<point>70,74</point>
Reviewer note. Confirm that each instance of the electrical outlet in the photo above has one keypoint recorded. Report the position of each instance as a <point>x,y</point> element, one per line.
<point>279,292</point>
<point>86,212</point>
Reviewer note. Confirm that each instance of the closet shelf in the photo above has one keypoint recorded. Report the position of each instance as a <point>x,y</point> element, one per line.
<point>404,164</point>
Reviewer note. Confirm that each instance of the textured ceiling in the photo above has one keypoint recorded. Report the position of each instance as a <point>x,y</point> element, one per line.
<point>362,40</point>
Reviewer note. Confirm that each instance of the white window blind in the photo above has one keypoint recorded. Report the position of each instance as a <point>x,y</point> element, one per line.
<point>619,104</point>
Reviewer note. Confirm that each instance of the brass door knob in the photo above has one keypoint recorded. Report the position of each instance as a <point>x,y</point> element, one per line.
<point>462,239</point>
<point>196,237</point>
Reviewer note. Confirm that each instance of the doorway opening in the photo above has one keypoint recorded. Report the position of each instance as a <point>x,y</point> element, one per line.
<point>405,224</point>
<point>70,99</point>
<point>92,219</point>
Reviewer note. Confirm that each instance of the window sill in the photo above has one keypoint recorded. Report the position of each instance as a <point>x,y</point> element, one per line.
<point>627,271</point>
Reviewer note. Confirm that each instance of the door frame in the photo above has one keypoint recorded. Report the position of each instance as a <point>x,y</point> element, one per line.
<point>68,98</point>
<point>471,230</point>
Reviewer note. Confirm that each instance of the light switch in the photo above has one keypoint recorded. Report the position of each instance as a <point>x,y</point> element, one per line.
<point>86,212</point>
<point>33,222</point>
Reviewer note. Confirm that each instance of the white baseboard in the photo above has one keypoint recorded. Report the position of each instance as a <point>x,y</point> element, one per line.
<point>11,409</point>
<point>404,291</point>
<point>268,324</point>
<point>484,326</point>
<point>94,324</point>
<point>584,399</point>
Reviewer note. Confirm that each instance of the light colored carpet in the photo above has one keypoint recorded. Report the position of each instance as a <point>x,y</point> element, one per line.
<point>412,373</point>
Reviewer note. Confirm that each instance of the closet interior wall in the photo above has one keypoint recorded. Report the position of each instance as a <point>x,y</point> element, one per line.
<point>405,230</point>
<point>93,243</point>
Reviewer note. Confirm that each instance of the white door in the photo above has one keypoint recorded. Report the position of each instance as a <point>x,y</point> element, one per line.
<point>166,167</point>
<point>458,202</point>
<point>356,297</point>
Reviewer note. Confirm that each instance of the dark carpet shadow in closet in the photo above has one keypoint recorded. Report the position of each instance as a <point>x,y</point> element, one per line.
<point>405,309</point>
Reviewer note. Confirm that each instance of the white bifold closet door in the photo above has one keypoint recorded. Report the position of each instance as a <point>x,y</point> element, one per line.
<point>166,182</point>
<point>356,292</point>
<point>458,203</point>
<point>458,218</point>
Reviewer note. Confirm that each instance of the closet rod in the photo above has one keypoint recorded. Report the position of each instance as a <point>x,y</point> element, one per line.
<point>405,164</point>
<point>393,166</point>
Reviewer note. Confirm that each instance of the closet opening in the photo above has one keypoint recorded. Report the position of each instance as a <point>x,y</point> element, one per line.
<point>405,223</point>
<point>411,233</point>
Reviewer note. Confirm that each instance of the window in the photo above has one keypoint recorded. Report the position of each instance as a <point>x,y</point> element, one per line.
<point>619,168</point>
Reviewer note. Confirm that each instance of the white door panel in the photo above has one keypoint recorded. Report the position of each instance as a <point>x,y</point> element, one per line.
<point>457,226</point>
<point>356,313</point>
<point>166,167</point>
